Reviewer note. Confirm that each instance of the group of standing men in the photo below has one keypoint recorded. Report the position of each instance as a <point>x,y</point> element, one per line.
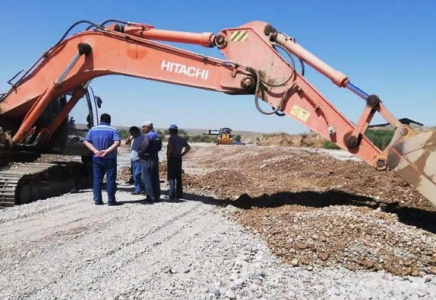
<point>144,150</point>
<point>103,140</point>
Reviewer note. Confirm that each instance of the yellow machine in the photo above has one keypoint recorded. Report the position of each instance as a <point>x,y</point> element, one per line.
<point>225,136</point>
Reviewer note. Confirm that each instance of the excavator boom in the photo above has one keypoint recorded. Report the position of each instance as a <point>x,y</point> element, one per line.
<point>253,65</point>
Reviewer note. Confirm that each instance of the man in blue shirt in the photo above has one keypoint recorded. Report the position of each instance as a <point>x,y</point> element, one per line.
<point>177,148</point>
<point>103,140</point>
<point>148,153</point>
<point>135,139</point>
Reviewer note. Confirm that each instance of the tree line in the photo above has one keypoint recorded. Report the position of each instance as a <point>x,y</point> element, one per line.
<point>198,138</point>
<point>381,138</point>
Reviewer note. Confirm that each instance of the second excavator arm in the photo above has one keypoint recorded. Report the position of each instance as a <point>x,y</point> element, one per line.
<point>252,66</point>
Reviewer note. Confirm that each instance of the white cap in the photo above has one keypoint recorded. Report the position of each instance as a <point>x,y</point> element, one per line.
<point>147,123</point>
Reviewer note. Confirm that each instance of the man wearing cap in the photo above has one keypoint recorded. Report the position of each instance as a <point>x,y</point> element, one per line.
<point>134,140</point>
<point>177,148</point>
<point>103,140</point>
<point>148,153</point>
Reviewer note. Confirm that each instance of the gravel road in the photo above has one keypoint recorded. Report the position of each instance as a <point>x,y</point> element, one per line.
<point>67,248</point>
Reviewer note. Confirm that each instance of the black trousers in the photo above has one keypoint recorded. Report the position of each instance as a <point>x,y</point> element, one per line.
<point>174,176</point>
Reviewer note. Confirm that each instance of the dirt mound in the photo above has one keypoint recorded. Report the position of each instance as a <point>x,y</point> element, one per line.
<point>313,209</point>
<point>297,140</point>
<point>355,237</point>
<point>224,183</point>
<point>188,180</point>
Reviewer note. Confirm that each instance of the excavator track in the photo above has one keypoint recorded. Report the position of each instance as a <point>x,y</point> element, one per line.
<point>23,183</point>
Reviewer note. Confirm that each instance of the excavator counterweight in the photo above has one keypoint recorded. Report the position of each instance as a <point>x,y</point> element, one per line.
<point>252,66</point>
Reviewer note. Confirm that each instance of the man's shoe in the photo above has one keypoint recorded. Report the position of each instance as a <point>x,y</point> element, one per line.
<point>113,203</point>
<point>98,203</point>
<point>148,199</point>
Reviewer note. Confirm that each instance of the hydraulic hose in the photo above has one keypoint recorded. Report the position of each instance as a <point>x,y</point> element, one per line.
<point>256,97</point>
<point>107,21</point>
<point>276,110</point>
<point>302,67</point>
<point>90,112</point>
<point>61,39</point>
<point>74,25</point>
<point>95,103</point>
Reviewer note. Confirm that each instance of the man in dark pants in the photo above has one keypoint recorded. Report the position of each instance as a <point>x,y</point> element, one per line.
<point>134,140</point>
<point>174,162</point>
<point>148,153</point>
<point>103,140</point>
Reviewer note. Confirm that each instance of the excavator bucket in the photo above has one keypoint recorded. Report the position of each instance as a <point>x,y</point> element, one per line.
<point>414,159</point>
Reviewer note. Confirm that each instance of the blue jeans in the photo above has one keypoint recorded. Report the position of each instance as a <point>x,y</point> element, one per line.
<point>136,170</point>
<point>150,176</point>
<point>100,167</point>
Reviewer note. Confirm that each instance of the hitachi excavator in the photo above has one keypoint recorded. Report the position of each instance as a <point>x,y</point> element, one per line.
<point>34,110</point>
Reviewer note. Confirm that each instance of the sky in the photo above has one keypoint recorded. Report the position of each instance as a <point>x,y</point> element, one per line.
<point>386,47</point>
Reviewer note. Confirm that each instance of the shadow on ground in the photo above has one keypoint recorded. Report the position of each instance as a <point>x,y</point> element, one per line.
<point>419,218</point>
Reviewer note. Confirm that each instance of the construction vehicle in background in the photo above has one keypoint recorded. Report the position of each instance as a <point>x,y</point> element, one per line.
<point>33,111</point>
<point>224,136</point>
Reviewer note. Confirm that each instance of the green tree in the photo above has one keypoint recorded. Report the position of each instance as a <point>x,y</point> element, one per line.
<point>124,133</point>
<point>330,145</point>
<point>380,138</point>
<point>202,138</point>
<point>238,137</point>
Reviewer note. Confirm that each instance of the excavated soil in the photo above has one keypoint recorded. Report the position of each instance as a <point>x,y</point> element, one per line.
<point>316,210</point>
<point>296,140</point>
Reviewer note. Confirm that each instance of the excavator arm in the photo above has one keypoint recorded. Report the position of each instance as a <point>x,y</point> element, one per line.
<point>253,65</point>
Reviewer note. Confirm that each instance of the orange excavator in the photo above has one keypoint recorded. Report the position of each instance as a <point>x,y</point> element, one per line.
<point>34,110</point>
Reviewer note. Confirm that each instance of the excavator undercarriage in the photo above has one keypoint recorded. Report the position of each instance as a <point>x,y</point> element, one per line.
<point>23,183</point>
<point>253,66</point>
<point>25,178</point>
